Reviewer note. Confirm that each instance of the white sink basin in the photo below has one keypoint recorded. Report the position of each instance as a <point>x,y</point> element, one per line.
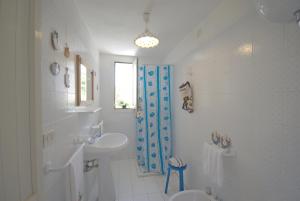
<point>108,143</point>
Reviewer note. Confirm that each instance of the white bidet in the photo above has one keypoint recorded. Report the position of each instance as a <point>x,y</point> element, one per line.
<point>191,195</point>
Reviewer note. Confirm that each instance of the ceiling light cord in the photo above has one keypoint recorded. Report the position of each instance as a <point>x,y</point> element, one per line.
<point>146,20</point>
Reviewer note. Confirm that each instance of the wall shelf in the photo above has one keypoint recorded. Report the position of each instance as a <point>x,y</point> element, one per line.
<point>90,109</point>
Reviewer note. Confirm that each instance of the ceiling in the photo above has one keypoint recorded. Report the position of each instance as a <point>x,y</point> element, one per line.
<point>114,24</point>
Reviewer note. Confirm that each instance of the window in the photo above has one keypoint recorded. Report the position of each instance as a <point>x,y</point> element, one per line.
<point>125,85</point>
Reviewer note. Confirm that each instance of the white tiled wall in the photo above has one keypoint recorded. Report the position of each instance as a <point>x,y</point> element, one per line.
<point>56,98</point>
<point>254,98</point>
<point>116,120</point>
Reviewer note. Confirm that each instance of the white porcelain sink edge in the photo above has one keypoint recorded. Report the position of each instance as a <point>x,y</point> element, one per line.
<point>108,143</point>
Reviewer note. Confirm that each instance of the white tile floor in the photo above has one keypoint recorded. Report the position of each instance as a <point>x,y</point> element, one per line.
<point>130,187</point>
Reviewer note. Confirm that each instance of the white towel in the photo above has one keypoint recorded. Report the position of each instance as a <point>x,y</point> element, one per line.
<point>176,162</point>
<point>75,176</point>
<point>213,163</point>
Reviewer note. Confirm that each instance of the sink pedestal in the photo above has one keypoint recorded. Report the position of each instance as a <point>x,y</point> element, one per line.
<point>101,149</point>
<point>105,180</point>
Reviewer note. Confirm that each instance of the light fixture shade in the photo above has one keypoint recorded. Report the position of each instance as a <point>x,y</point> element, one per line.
<point>146,40</point>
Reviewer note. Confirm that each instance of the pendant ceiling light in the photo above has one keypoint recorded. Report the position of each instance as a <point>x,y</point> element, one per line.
<point>146,39</point>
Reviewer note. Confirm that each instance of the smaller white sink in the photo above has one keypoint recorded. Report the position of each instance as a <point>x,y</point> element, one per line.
<point>107,143</point>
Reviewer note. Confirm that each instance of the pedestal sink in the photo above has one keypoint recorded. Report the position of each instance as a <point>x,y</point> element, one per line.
<point>101,149</point>
<point>106,144</point>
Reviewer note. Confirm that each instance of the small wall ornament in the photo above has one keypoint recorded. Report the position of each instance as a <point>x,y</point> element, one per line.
<point>67,78</point>
<point>67,51</point>
<point>55,42</point>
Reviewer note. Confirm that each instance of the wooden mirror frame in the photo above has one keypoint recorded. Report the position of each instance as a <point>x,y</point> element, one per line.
<point>93,74</point>
<point>77,80</point>
<point>78,62</point>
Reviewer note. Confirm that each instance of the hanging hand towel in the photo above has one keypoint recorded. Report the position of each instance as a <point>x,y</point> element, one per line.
<point>186,94</point>
<point>213,163</point>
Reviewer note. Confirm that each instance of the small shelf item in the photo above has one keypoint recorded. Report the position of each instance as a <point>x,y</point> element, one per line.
<point>83,109</point>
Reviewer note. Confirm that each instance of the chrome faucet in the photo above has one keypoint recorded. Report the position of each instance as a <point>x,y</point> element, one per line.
<point>92,139</point>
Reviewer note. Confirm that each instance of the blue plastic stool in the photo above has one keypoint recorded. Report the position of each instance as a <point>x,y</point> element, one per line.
<point>181,179</point>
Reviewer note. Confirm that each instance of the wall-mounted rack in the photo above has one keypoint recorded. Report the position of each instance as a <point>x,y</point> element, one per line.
<point>223,142</point>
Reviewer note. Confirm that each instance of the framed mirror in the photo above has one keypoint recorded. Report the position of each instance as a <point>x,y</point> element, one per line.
<point>84,82</point>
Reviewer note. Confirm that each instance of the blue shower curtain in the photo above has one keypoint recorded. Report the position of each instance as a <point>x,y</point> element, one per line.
<point>153,122</point>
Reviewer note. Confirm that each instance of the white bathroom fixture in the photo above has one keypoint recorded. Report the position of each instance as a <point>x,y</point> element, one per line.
<point>101,148</point>
<point>108,143</point>
<point>146,39</point>
<point>278,10</point>
<point>192,195</point>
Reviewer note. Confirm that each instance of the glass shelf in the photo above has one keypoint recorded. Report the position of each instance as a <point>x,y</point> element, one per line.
<point>82,109</point>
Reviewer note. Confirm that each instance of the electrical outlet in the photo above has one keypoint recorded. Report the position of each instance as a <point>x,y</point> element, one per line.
<point>48,138</point>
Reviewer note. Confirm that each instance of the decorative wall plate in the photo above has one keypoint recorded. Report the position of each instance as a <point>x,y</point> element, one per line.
<point>55,40</point>
<point>55,68</point>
